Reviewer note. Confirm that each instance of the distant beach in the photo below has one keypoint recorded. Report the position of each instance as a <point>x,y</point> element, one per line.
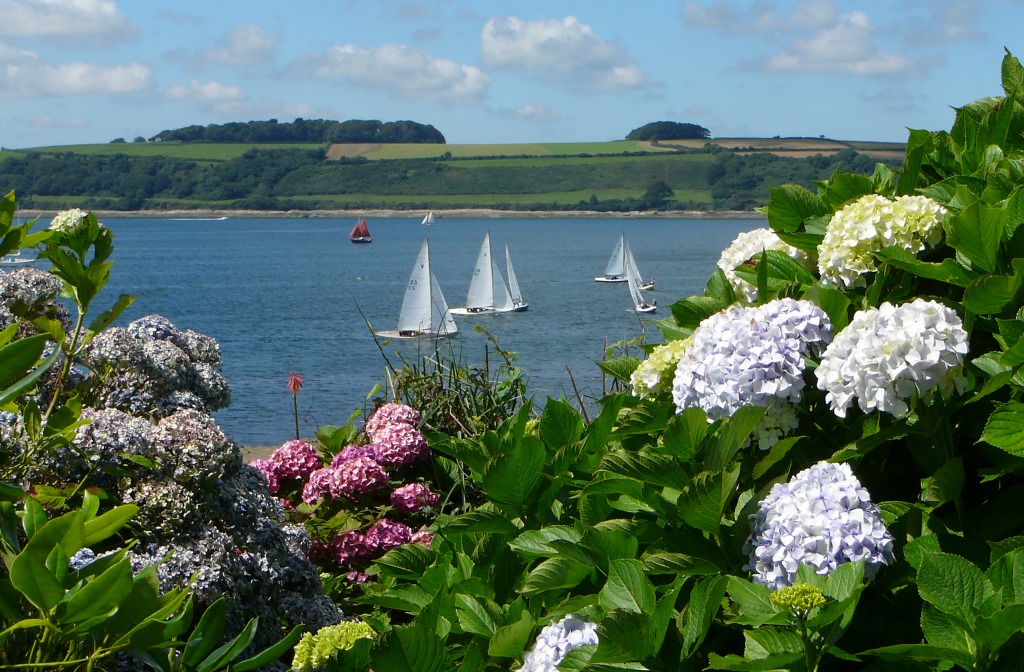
<point>465,213</point>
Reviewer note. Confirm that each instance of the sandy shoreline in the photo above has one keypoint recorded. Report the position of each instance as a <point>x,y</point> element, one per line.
<point>466,213</point>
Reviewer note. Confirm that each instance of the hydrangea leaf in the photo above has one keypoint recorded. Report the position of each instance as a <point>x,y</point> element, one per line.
<point>976,233</point>
<point>703,500</point>
<point>619,368</point>
<point>474,617</point>
<point>789,205</point>
<point>480,521</point>
<point>560,423</point>
<point>682,564</point>
<point>101,595</point>
<point>627,588</point>
<point>948,270</point>
<point>955,586</point>
<point>1005,429</point>
<point>754,604</point>
<point>685,433</point>
<point>408,560</point>
<point>511,479</point>
<point>510,640</point>
<point>764,642</point>
<point>702,606</point>
<point>533,544</point>
<point>1007,576</point>
<point>646,467</point>
<point>411,649</point>
<point>627,635</point>
<point>555,574</point>
<point>995,630</point>
<point>922,652</point>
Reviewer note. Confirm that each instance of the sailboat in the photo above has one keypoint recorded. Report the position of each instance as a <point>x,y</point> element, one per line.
<point>615,270</point>
<point>488,292</point>
<point>15,258</point>
<point>647,285</point>
<point>518,305</point>
<point>640,302</point>
<point>360,232</point>
<point>424,310</point>
<point>428,219</point>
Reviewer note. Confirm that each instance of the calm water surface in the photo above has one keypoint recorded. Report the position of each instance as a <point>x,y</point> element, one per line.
<point>283,295</point>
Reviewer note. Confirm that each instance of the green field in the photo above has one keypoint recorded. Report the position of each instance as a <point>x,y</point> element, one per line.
<point>196,151</point>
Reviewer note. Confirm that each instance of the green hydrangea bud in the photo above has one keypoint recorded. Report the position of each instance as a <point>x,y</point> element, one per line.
<point>315,650</point>
<point>800,597</point>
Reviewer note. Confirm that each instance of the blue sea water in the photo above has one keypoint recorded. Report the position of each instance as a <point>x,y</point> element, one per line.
<point>283,295</point>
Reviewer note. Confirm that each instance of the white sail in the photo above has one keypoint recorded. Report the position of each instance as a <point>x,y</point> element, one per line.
<point>614,271</point>
<point>428,219</point>
<point>488,292</point>
<point>424,309</point>
<point>513,281</point>
<point>631,261</point>
<point>640,302</point>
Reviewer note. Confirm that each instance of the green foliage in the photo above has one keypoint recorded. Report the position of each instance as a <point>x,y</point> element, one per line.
<point>668,130</point>
<point>306,130</point>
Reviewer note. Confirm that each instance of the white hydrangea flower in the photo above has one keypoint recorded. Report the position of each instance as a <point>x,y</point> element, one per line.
<point>886,354</point>
<point>870,224</point>
<point>752,356</point>
<point>555,641</point>
<point>821,518</point>
<point>655,373</point>
<point>743,248</point>
<point>68,220</point>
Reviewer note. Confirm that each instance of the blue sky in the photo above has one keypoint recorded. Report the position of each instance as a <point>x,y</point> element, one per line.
<point>89,71</point>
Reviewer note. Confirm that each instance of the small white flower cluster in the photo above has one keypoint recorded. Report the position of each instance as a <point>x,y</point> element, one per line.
<point>870,224</point>
<point>743,248</point>
<point>821,518</point>
<point>68,220</point>
<point>655,373</point>
<point>888,353</point>
<point>751,356</point>
<point>555,641</point>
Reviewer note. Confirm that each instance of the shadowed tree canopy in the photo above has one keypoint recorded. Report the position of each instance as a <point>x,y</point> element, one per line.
<point>307,130</point>
<point>668,130</point>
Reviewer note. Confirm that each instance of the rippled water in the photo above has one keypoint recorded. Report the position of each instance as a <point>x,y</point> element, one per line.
<point>285,295</point>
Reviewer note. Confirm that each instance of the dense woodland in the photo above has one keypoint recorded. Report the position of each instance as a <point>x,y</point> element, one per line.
<point>306,130</point>
<point>668,130</point>
<point>297,179</point>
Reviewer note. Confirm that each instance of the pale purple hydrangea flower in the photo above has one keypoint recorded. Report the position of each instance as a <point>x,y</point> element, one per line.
<point>318,485</point>
<point>391,413</point>
<point>349,452</point>
<point>399,445</point>
<point>751,356</point>
<point>386,534</point>
<point>296,459</point>
<point>412,497</point>
<point>422,536</point>
<point>888,354</point>
<point>356,477</point>
<point>556,640</point>
<point>821,518</point>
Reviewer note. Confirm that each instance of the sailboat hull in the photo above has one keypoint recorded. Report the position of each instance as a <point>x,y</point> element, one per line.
<point>394,333</point>
<point>362,239</point>
<point>605,278</point>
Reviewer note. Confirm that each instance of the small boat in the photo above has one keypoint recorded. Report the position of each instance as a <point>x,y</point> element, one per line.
<point>488,293</point>
<point>360,232</point>
<point>518,305</point>
<point>424,310</point>
<point>640,302</point>
<point>15,259</point>
<point>428,219</point>
<point>615,270</point>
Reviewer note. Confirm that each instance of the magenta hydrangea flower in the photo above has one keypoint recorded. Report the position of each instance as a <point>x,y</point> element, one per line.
<point>356,477</point>
<point>266,467</point>
<point>387,534</point>
<point>391,414</point>
<point>400,445</point>
<point>349,452</point>
<point>296,459</point>
<point>355,576</point>
<point>350,546</point>
<point>421,536</point>
<point>318,486</point>
<point>413,497</point>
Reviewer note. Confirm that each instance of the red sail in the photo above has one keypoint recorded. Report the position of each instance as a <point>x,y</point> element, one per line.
<point>360,230</point>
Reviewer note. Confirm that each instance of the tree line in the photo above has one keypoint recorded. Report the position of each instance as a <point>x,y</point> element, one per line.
<point>306,131</point>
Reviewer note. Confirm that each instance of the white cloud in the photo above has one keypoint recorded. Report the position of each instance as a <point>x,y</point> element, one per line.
<point>398,70</point>
<point>23,73</point>
<point>94,19</point>
<point>538,113</point>
<point>760,17</point>
<point>846,47</point>
<point>246,44</point>
<point>565,52</point>
<point>205,92</point>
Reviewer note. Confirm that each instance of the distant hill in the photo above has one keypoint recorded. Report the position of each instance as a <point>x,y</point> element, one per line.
<point>306,131</point>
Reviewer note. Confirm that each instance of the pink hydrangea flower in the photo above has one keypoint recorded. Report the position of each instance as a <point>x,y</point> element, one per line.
<point>266,467</point>
<point>387,534</point>
<point>413,497</point>
<point>349,452</point>
<point>351,546</point>
<point>421,536</point>
<point>296,459</point>
<point>400,445</point>
<point>355,576</point>
<point>318,486</point>
<point>391,414</point>
<point>356,477</point>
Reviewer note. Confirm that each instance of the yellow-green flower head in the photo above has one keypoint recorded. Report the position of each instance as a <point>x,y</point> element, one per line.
<point>872,223</point>
<point>800,597</point>
<point>68,221</point>
<point>315,650</point>
<point>655,373</point>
